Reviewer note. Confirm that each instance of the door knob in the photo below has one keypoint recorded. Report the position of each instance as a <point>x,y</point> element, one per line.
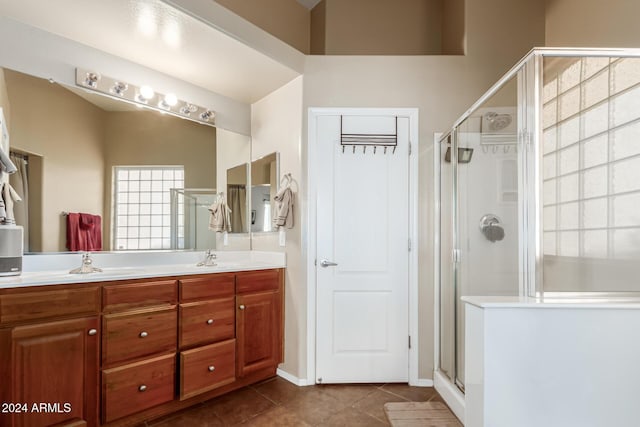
<point>324,263</point>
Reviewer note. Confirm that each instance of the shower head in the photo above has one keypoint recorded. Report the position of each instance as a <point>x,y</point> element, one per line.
<point>464,155</point>
<point>497,122</point>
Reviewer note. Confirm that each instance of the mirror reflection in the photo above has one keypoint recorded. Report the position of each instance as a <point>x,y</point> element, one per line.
<point>264,186</point>
<point>237,196</point>
<point>143,179</point>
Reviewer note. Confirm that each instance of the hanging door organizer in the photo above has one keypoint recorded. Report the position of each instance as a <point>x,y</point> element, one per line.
<point>378,140</point>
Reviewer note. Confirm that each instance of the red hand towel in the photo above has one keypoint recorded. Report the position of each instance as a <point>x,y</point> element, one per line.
<point>84,232</point>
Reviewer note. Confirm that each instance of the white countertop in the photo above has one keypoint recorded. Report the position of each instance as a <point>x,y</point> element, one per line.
<point>53,269</point>
<point>555,302</point>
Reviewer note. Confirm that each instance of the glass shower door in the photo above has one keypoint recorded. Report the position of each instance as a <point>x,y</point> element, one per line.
<point>447,289</point>
<point>479,249</point>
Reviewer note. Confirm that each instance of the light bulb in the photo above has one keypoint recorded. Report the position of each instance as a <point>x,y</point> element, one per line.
<point>146,92</point>
<point>170,99</point>
<point>91,80</point>
<point>119,88</point>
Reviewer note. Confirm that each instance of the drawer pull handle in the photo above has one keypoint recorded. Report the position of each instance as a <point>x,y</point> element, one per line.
<point>92,332</point>
<point>241,307</point>
<point>142,388</point>
<point>212,368</point>
<point>210,322</point>
<point>143,334</point>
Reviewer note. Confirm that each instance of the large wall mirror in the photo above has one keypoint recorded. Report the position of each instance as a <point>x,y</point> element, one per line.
<point>150,177</point>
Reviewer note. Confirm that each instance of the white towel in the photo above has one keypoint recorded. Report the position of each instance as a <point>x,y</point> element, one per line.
<point>6,164</point>
<point>7,198</point>
<point>220,216</point>
<point>284,208</point>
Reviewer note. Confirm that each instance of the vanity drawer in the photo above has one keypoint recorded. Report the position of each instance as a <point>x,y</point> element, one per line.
<point>139,294</point>
<point>39,304</point>
<point>213,286</point>
<point>205,368</point>
<point>128,336</point>
<point>207,322</point>
<point>257,281</point>
<point>137,386</point>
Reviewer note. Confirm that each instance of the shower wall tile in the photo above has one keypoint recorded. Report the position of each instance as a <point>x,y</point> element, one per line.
<point>625,73</point>
<point>595,151</point>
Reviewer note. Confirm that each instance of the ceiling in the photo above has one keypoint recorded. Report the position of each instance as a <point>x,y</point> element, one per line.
<point>309,4</point>
<point>153,34</point>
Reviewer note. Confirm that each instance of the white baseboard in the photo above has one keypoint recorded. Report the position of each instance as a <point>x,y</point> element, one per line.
<point>291,378</point>
<point>422,382</point>
<point>450,393</point>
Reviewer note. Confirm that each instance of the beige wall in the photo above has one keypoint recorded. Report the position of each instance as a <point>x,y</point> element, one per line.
<point>318,28</point>
<point>382,27</point>
<point>150,138</point>
<point>592,23</point>
<point>499,32</point>
<point>276,125</point>
<point>286,19</point>
<point>68,132</point>
<point>453,30</point>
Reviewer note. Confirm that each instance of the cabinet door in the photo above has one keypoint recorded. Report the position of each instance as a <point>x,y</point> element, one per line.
<point>258,323</point>
<point>54,366</point>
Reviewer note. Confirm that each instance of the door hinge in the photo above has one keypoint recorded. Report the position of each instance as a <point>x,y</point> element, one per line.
<point>455,256</point>
<point>409,148</point>
<point>409,341</point>
<point>409,245</point>
<point>315,262</point>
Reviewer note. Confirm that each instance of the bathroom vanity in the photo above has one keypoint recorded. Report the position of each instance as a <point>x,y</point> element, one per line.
<point>119,351</point>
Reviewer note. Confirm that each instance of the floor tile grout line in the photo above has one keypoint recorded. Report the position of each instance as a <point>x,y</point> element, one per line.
<point>397,395</point>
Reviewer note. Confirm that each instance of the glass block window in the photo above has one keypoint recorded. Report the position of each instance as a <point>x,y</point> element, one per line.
<point>591,158</point>
<point>142,206</point>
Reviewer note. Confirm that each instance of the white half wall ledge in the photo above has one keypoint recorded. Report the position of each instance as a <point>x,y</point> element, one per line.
<point>292,378</point>
<point>46,55</point>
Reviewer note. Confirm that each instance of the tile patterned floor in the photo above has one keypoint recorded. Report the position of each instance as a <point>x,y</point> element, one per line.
<point>277,402</point>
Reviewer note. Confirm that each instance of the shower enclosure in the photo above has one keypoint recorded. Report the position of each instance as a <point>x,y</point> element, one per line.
<point>539,183</point>
<point>190,218</point>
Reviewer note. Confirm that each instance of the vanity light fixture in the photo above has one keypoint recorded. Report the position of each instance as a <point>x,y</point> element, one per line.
<point>119,88</point>
<point>168,101</point>
<point>141,96</point>
<point>187,109</point>
<point>91,79</point>
<point>207,115</point>
<point>145,94</point>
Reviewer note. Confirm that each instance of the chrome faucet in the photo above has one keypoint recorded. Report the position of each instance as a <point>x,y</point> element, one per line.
<point>209,259</point>
<point>86,266</point>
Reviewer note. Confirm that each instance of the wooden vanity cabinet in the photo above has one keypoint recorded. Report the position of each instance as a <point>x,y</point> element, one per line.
<point>259,320</point>
<point>125,352</point>
<point>207,334</point>
<point>49,357</point>
<point>139,341</point>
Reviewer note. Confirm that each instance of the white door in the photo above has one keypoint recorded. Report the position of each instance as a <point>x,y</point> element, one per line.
<point>363,226</point>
